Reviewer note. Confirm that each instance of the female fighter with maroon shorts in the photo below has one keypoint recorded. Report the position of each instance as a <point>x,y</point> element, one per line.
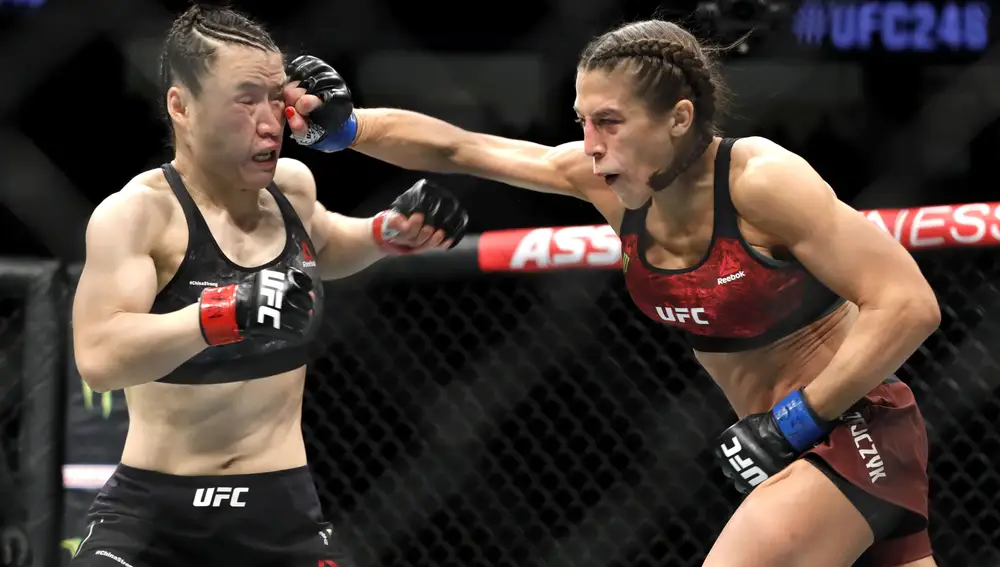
<point>796,305</point>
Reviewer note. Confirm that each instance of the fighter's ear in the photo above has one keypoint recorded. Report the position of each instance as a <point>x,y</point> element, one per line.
<point>178,105</point>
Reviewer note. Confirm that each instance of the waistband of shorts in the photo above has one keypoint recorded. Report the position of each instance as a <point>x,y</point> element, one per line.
<point>287,496</point>
<point>183,481</point>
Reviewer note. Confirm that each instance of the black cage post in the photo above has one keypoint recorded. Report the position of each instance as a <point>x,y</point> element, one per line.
<point>40,284</point>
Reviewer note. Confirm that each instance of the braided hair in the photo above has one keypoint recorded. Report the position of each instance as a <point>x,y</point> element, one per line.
<point>669,65</point>
<point>192,43</point>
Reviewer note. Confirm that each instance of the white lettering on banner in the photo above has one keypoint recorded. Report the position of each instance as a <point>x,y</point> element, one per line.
<point>743,465</point>
<point>203,497</point>
<point>681,314</point>
<point>568,247</point>
<point>272,289</point>
<point>923,220</point>
<point>859,431</point>
<point>932,227</point>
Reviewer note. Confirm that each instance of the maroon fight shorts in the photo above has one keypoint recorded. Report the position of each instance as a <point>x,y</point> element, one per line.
<point>877,456</point>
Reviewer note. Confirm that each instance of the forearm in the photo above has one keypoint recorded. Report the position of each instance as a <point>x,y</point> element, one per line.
<point>880,341</point>
<point>409,139</point>
<point>350,249</point>
<point>135,348</point>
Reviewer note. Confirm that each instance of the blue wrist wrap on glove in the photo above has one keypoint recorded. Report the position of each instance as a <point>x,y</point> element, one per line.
<point>797,422</point>
<point>343,138</point>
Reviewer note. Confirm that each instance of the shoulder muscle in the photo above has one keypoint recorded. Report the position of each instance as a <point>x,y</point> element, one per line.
<point>296,182</point>
<point>127,221</point>
<point>119,273</point>
<point>778,191</point>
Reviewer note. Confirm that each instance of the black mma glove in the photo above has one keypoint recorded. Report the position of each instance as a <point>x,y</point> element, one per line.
<point>332,126</point>
<point>762,444</point>
<point>441,211</point>
<point>265,304</point>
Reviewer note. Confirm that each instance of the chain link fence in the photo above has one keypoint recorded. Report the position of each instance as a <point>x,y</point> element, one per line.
<point>541,420</point>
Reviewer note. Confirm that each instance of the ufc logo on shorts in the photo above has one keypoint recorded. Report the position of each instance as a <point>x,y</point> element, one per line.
<point>681,314</point>
<point>746,467</point>
<point>214,497</point>
<point>272,290</point>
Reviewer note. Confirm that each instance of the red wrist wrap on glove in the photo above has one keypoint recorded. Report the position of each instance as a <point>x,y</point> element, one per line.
<point>382,235</point>
<point>217,315</point>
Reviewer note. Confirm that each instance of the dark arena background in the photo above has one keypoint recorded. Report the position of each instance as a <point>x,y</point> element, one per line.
<point>504,404</point>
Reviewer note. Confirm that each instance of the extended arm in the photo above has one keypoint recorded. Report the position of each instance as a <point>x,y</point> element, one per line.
<point>785,197</point>
<point>419,142</point>
<point>117,342</point>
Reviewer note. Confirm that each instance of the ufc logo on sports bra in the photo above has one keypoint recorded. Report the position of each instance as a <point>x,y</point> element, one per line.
<point>214,497</point>
<point>682,314</point>
<point>746,467</point>
<point>272,290</point>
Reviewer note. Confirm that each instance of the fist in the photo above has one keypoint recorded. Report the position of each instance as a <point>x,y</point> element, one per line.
<point>275,304</point>
<point>318,105</point>
<point>425,217</point>
<point>752,450</point>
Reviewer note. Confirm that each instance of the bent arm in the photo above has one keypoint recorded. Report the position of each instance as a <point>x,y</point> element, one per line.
<point>344,245</point>
<point>419,142</point>
<point>117,342</point>
<point>785,197</point>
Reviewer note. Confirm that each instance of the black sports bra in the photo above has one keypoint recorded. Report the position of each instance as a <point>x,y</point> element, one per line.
<point>204,265</point>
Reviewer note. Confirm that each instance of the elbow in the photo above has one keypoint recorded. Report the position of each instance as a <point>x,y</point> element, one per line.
<point>919,311</point>
<point>95,374</point>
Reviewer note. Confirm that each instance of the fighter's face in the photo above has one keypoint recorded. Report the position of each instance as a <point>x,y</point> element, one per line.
<point>235,123</point>
<point>627,143</point>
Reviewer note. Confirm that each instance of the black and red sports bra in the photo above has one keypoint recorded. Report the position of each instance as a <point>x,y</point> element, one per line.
<point>735,298</point>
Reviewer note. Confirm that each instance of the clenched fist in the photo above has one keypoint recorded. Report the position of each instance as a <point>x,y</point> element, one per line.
<point>425,217</point>
<point>318,105</point>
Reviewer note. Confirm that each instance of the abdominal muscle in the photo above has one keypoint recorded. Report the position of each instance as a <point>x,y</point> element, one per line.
<point>217,429</point>
<point>753,381</point>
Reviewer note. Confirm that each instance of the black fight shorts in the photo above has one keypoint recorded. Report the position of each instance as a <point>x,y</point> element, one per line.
<point>148,519</point>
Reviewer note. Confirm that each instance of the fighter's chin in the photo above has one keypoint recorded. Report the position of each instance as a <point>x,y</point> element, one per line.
<point>632,200</point>
<point>257,175</point>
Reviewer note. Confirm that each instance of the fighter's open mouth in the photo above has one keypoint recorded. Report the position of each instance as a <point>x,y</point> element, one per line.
<point>266,155</point>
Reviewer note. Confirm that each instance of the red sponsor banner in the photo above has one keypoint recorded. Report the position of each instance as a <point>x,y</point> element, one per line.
<point>542,249</point>
<point>973,224</point>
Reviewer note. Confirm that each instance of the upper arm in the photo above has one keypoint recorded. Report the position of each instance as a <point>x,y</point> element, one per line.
<point>417,141</point>
<point>118,273</point>
<point>562,170</point>
<point>298,184</point>
<point>527,165</point>
<point>780,194</point>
